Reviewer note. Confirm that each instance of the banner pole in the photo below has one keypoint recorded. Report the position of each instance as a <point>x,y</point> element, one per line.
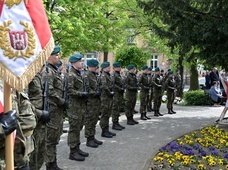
<point>9,157</point>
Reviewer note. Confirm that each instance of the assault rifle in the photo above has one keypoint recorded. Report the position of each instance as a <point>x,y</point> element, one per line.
<point>65,85</point>
<point>84,82</point>
<point>46,89</point>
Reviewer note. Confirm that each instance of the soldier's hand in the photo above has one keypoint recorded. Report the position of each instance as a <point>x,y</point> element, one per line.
<point>112,93</point>
<point>85,94</point>
<point>45,116</point>
<point>9,121</point>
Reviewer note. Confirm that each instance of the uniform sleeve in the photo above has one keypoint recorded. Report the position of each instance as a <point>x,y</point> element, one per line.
<point>2,133</point>
<point>128,84</point>
<point>104,84</point>
<point>72,91</point>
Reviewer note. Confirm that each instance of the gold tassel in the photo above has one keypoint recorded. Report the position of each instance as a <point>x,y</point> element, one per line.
<point>19,83</point>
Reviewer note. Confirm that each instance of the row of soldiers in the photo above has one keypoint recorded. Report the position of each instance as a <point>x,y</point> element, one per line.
<point>84,97</point>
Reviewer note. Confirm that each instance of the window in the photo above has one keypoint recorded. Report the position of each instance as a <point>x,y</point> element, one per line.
<point>154,61</point>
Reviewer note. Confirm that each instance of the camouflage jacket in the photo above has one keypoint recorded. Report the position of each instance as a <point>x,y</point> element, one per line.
<point>131,82</point>
<point>178,80</point>
<point>106,84</point>
<point>75,83</point>
<point>144,82</point>
<point>157,82</point>
<point>170,84</point>
<point>118,82</point>
<point>55,85</point>
<point>92,83</point>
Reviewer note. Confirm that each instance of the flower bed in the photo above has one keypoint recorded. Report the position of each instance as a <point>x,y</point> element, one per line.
<point>204,149</point>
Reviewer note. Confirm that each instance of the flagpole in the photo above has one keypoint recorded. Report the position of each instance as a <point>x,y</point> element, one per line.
<point>9,157</point>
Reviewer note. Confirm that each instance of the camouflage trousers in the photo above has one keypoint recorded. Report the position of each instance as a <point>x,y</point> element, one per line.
<point>76,115</point>
<point>150,99</point>
<point>131,97</point>
<point>116,106</point>
<point>37,156</point>
<point>157,101</point>
<point>170,99</point>
<point>91,116</point>
<point>106,110</point>
<point>143,101</point>
<point>53,132</point>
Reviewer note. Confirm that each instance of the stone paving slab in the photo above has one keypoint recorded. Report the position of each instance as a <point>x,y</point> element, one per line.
<point>133,148</point>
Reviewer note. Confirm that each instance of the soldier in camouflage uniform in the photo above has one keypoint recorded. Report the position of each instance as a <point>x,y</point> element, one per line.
<point>144,91</point>
<point>157,91</point>
<point>77,107</point>
<point>107,94</point>
<point>8,123</point>
<point>93,103</point>
<point>56,106</point>
<point>118,96</point>
<point>24,144</point>
<point>150,95</point>
<point>131,94</point>
<point>170,86</point>
<point>35,93</point>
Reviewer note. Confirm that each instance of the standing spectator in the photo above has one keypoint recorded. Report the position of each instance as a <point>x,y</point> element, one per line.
<point>208,80</point>
<point>178,84</point>
<point>214,75</point>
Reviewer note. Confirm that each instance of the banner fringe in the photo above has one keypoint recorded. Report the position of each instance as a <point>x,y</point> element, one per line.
<point>19,83</point>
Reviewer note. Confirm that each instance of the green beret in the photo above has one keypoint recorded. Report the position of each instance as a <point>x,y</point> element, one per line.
<point>144,67</point>
<point>157,69</point>
<point>75,57</point>
<point>117,64</point>
<point>170,72</point>
<point>56,50</point>
<point>59,64</point>
<point>131,66</point>
<point>105,64</point>
<point>150,68</point>
<point>92,63</point>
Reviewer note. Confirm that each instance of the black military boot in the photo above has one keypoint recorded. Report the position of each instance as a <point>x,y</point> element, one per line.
<point>112,133</point>
<point>121,125</point>
<point>129,121</point>
<point>169,111</point>
<point>135,111</point>
<point>52,166</point>
<point>82,153</point>
<point>97,141</point>
<point>74,155</point>
<point>156,113</point>
<point>146,116</point>
<point>105,133</point>
<point>90,142</point>
<point>159,114</point>
<point>134,120</point>
<point>25,167</point>
<point>143,117</point>
<point>151,108</point>
<point>173,111</point>
<point>116,126</point>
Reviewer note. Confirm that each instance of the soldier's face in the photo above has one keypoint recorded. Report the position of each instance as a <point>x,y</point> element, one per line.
<point>107,69</point>
<point>117,69</point>
<point>54,59</point>
<point>78,65</point>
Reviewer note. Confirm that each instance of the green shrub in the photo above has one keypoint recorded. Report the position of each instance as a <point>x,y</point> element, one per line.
<point>196,98</point>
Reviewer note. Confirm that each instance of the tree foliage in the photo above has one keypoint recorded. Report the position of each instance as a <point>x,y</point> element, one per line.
<point>132,55</point>
<point>199,27</point>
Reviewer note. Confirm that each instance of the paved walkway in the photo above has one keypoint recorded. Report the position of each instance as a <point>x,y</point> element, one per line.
<point>133,148</point>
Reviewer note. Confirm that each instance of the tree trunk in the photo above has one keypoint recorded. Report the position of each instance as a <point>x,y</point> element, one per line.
<point>105,56</point>
<point>181,68</point>
<point>194,82</point>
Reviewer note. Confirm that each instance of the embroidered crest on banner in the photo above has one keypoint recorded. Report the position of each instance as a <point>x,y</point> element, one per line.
<point>10,3</point>
<point>17,44</point>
